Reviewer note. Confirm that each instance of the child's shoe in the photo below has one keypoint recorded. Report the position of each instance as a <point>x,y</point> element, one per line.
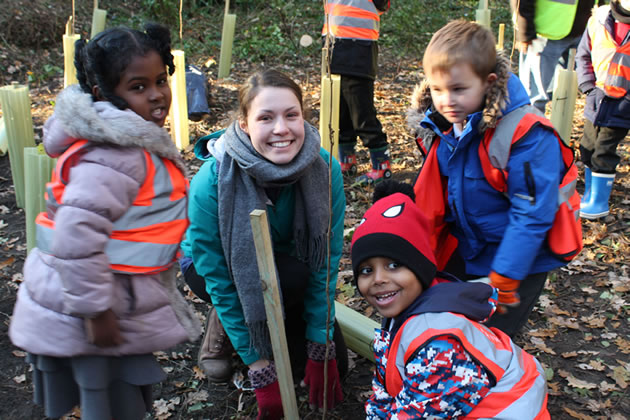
<point>347,159</point>
<point>381,167</point>
<point>597,205</point>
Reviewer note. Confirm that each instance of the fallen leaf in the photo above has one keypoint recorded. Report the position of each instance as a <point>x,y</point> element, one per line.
<point>19,379</point>
<point>9,261</point>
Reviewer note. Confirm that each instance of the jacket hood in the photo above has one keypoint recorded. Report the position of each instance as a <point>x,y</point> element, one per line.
<point>77,116</point>
<point>211,145</point>
<point>505,94</point>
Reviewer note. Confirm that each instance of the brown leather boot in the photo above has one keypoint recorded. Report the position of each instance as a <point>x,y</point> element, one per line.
<point>215,353</point>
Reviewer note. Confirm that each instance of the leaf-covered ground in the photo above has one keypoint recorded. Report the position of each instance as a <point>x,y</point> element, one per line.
<point>579,330</point>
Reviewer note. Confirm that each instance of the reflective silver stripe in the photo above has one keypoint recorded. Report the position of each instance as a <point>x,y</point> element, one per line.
<point>617,81</point>
<point>44,237</point>
<point>501,141</point>
<point>140,254</point>
<point>354,22</point>
<point>569,2</point>
<point>565,193</point>
<point>511,361</point>
<point>621,59</point>
<point>141,216</point>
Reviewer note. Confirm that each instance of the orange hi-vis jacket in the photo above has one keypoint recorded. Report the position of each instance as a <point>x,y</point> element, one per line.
<point>519,390</point>
<point>611,62</point>
<point>565,236</point>
<point>354,19</point>
<point>147,237</point>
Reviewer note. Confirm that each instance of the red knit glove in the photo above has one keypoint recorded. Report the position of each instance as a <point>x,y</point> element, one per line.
<point>269,402</point>
<point>314,375</point>
<point>508,291</point>
<point>267,390</point>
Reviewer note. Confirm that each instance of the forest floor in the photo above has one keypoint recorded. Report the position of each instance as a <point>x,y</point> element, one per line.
<point>580,329</point>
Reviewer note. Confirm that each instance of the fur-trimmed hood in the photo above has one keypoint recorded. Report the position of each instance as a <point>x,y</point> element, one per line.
<point>497,102</point>
<point>77,116</point>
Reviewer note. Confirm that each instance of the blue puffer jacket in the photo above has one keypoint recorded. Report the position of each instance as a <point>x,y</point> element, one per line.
<point>502,233</point>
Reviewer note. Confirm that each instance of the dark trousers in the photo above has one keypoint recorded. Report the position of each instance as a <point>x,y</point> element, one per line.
<point>529,290</point>
<point>294,276</point>
<point>598,147</point>
<point>357,114</point>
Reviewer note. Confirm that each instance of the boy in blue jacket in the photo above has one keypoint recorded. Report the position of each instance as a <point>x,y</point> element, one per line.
<point>500,234</point>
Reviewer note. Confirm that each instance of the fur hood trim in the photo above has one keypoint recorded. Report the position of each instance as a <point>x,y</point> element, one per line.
<point>101,122</point>
<point>496,101</point>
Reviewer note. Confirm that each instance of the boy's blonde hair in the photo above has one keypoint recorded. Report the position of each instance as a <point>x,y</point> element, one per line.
<point>461,41</point>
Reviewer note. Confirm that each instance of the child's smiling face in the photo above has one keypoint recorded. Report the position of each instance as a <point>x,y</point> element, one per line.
<point>387,285</point>
<point>458,92</point>
<point>144,85</point>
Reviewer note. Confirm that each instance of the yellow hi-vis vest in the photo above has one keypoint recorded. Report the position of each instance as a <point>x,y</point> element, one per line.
<point>355,19</point>
<point>146,238</point>
<point>554,18</point>
<point>611,62</point>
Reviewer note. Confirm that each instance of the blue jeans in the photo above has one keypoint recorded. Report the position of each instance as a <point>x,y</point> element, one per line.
<point>538,67</point>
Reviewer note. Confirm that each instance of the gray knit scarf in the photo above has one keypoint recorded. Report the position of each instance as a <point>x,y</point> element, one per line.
<point>243,176</point>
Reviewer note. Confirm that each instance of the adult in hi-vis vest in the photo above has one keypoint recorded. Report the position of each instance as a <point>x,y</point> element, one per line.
<point>99,295</point>
<point>603,68</point>
<point>545,32</point>
<point>354,26</point>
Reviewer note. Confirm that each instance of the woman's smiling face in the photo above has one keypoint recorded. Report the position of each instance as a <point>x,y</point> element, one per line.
<point>275,124</point>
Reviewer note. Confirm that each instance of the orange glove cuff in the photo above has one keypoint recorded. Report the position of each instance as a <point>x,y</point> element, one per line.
<point>504,284</point>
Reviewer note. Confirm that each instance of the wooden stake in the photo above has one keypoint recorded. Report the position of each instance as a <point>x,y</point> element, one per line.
<point>273,309</point>
<point>329,113</point>
<point>178,113</point>
<point>564,98</point>
<point>16,110</point>
<point>501,36</point>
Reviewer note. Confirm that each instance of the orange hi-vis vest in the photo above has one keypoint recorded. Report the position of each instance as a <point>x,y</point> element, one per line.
<point>519,390</point>
<point>611,62</point>
<point>147,237</point>
<point>355,19</point>
<point>564,238</point>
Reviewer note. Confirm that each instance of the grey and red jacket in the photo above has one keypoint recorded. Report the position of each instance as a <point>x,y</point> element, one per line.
<point>75,277</point>
<point>436,360</point>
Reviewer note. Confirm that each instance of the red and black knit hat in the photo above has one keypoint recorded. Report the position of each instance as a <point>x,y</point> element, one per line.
<point>394,227</point>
